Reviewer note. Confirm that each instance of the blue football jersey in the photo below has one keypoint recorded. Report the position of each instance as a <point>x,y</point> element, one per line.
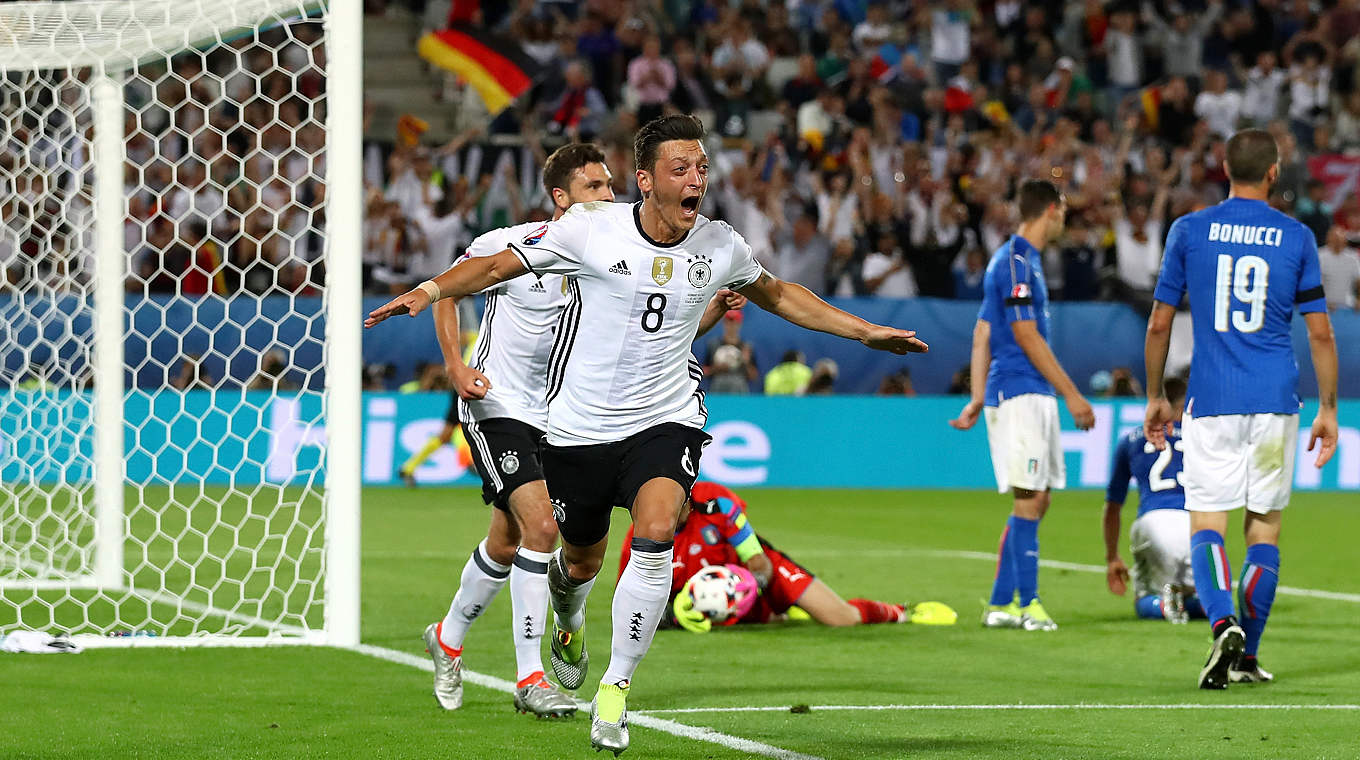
<point>1014,290</point>
<point>1158,473</point>
<point>1246,267</point>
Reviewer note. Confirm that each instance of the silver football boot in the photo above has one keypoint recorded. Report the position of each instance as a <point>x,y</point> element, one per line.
<point>448,671</point>
<point>568,656</point>
<point>1001,616</point>
<point>544,700</point>
<point>611,701</point>
<point>1173,605</point>
<point>1242,672</point>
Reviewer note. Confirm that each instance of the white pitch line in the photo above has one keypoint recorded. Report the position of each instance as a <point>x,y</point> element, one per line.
<point>1079,706</point>
<point>1336,596</point>
<point>643,719</point>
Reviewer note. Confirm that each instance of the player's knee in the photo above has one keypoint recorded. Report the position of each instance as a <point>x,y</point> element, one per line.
<point>501,551</point>
<point>656,528</point>
<point>538,532</point>
<point>844,616</point>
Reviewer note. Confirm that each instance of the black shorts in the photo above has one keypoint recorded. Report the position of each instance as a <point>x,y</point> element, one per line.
<point>451,416</point>
<point>508,454</point>
<point>587,482</point>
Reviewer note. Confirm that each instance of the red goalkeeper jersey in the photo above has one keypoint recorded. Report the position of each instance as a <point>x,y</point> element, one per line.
<point>710,535</point>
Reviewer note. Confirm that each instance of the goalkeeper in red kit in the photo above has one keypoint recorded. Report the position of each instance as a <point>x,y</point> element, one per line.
<point>714,530</point>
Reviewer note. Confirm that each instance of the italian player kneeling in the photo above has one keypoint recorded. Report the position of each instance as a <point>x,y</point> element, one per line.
<point>1160,537</point>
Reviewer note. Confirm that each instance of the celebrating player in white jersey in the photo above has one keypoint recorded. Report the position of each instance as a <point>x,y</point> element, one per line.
<point>625,414</point>
<point>1246,267</point>
<point>504,425</point>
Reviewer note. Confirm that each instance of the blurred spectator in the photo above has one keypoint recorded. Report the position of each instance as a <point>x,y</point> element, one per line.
<point>790,377</point>
<point>1219,106</point>
<point>802,253</point>
<point>1123,384</point>
<point>1261,102</point>
<point>968,274</point>
<point>1082,260</point>
<point>1314,210</point>
<point>951,36</point>
<point>823,379</point>
<point>651,78</point>
<point>961,383</point>
<point>273,374</point>
<point>1182,41</point>
<point>897,384</point>
<point>1340,271</point>
<point>429,377</point>
<point>376,376</point>
<point>578,113</point>
<point>886,271</point>
<point>192,376</point>
<point>1310,78</point>
<point>731,365</point>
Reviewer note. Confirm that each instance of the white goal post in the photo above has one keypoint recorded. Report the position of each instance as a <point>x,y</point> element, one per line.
<point>180,320</point>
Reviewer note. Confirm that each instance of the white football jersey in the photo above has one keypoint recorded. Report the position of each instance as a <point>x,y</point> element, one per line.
<point>621,362</point>
<point>515,338</point>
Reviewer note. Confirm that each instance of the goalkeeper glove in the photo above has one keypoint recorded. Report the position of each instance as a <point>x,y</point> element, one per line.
<point>689,618</point>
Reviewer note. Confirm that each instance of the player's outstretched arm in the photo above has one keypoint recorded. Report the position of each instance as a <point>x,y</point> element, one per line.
<point>1158,417</point>
<point>468,382</point>
<point>978,365</point>
<point>802,307</point>
<point>1322,343</point>
<point>462,279</point>
<point>1041,356</point>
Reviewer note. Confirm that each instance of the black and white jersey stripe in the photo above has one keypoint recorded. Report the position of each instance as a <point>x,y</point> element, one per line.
<point>567,327</point>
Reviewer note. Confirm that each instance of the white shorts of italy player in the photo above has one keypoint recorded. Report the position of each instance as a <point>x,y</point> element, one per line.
<point>1236,460</point>
<point>1025,439</point>
<point>1160,543</point>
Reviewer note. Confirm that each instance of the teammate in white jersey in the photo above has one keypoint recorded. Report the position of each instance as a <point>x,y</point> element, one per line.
<point>504,426</point>
<point>625,414</point>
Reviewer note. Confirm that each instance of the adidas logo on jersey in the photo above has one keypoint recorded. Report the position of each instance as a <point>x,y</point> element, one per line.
<point>620,268</point>
<point>537,287</point>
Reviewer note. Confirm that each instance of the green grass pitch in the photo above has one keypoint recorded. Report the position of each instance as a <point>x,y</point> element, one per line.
<point>320,702</point>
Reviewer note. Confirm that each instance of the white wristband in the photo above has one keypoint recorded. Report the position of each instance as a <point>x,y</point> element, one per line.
<point>431,289</point>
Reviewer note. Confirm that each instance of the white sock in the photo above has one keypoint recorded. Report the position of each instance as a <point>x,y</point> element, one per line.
<point>639,601</point>
<point>529,598</point>
<point>568,595</point>
<point>482,578</point>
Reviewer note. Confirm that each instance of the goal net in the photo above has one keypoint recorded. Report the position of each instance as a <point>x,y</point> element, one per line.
<point>178,430</point>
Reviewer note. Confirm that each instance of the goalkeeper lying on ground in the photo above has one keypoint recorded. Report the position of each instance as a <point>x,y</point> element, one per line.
<point>714,531</point>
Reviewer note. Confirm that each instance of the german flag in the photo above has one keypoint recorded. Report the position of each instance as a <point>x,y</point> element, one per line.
<point>1151,101</point>
<point>495,66</point>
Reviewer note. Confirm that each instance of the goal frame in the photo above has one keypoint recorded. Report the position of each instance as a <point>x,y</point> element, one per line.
<point>156,28</point>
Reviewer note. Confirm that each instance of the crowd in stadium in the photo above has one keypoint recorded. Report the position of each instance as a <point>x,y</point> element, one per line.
<point>872,149</point>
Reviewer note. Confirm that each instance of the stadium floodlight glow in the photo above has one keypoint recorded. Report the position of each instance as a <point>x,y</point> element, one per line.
<point>180,199</point>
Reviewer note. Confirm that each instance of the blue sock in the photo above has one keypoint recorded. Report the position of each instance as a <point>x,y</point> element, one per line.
<point>1003,587</point>
<point>1025,543</point>
<point>1149,606</point>
<point>1193,608</point>
<point>1256,591</point>
<point>1213,574</point>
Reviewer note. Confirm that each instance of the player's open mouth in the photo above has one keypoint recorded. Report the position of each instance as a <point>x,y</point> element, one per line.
<point>689,206</point>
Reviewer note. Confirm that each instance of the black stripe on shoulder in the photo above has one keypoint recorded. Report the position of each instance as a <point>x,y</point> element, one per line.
<point>1311,294</point>
<point>524,260</point>
<point>1021,301</point>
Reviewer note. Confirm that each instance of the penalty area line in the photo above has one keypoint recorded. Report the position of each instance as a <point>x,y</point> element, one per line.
<point>644,719</point>
<point>1078,706</point>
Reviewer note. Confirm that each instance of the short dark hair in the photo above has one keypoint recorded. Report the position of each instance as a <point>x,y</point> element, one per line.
<point>648,141</point>
<point>564,161</point>
<point>1035,196</point>
<point>1251,153</point>
<point>1174,387</point>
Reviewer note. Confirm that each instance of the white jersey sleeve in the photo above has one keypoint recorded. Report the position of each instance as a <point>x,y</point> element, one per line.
<point>488,244</point>
<point>556,247</point>
<point>745,269</point>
